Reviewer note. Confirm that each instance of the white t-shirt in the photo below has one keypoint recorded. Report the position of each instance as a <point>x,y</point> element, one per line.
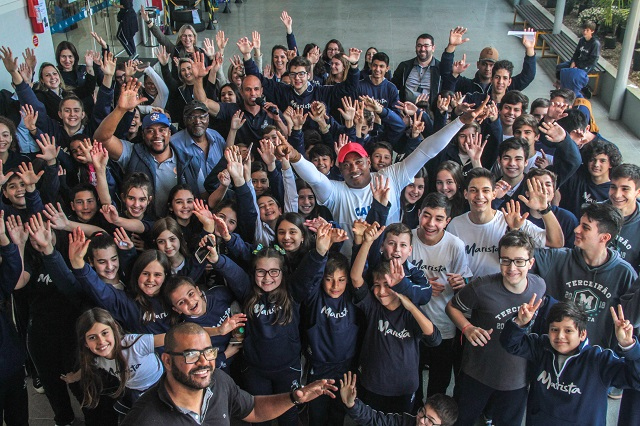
<point>481,241</point>
<point>445,257</point>
<point>145,369</point>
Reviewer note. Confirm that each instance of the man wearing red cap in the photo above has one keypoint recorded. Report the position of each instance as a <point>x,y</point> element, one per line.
<point>351,199</point>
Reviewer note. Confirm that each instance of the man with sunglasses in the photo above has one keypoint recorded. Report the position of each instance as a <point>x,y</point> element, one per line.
<point>192,390</point>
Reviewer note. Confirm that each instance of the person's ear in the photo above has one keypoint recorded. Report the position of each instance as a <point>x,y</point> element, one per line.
<point>448,220</point>
<point>533,260</point>
<point>166,361</point>
<point>583,335</point>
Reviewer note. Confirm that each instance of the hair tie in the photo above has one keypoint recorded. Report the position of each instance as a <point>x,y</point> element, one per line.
<point>279,249</point>
<point>258,249</point>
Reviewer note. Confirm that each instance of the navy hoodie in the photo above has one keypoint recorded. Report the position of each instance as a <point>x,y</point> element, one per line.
<point>628,240</point>
<point>11,350</point>
<point>575,394</point>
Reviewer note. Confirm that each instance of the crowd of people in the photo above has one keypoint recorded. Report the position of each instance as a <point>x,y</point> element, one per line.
<point>303,236</point>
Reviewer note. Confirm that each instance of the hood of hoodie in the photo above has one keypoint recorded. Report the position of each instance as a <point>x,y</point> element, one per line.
<point>612,261</point>
<point>574,79</point>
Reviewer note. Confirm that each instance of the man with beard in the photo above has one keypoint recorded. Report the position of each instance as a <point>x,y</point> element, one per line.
<point>156,156</point>
<point>193,390</point>
<point>205,145</point>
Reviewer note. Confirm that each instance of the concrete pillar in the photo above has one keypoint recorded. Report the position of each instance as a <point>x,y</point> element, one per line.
<point>557,22</point>
<point>626,55</point>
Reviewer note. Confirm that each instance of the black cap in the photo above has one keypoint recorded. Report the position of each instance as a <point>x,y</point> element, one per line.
<point>194,106</point>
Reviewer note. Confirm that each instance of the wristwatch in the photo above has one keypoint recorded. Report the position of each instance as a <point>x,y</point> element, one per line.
<point>292,394</point>
<point>545,211</point>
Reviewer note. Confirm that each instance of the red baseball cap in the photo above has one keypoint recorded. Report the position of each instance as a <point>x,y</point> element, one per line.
<point>349,148</point>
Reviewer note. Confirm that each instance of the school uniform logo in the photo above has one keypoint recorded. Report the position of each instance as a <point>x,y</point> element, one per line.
<point>545,379</point>
<point>383,327</point>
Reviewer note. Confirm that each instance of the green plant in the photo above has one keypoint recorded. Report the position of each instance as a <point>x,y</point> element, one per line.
<point>613,11</point>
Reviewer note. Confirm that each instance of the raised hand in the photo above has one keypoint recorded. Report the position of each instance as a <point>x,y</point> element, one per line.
<point>222,230</point>
<point>512,215</point>
<point>122,240</point>
<point>237,120</point>
<point>348,391</point>
<point>108,64</point>
<point>318,112</point>
<point>4,177</point>
<point>537,196</point>
<point>624,328</point>
<point>110,213</point>
<point>29,56</point>
<point>213,256</point>
<point>372,105</point>
<point>408,108</point>
<point>40,234</point>
<point>461,66</point>
<point>417,127</point>
<point>88,58</point>
<point>17,232</point>
<point>267,152</point>
<point>381,189</point>
<point>529,40</point>
<point>354,56</point>
<point>287,21</point>
<point>373,232</point>
<point>48,149</point>
<point>343,139</point>
<point>502,187</point>
<point>470,116</point>
<point>234,164</point>
<point>202,212</point>
<point>231,323</point>
<point>129,98</point>
<point>99,155</point>
<point>143,14</point>
<point>542,162</point>
<point>314,390</point>
<point>58,219</point>
<point>475,147</point>
<point>221,41</point>
<point>78,246</point>
<point>198,67</point>
<point>348,110</point>
<point>298,117</point>
<point>554,132</point>
<point>358,229</point>
<point>292,53</point>
<point>267,71</point>
<point>29,176</point>
<point>244,46</point>
<point>29,116</point>
<point>338,235</point>
<point>456,36</point>
<point>10,63</point>
<point>209,47</point>
<point>162,55</point>
<point>315,223</point>
<point>224,178</point>
<point>323,239</point>
<point>396,272</point>
<point>26,73</point>
<point>313,55</point>
<point>100,40</point>
<point>527,310</point>
<point>255,40</point>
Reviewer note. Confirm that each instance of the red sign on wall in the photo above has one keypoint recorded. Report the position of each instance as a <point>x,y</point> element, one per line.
<point>35,41</point>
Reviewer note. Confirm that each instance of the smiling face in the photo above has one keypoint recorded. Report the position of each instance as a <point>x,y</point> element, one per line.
<point>378,69</point>
<point>424,49</point>
<point>385,295</point>
<point>188,38</point>
<point>514,277</point>
<point>512,163</point>
<point>306,201</point>
<point>332,50</point>
<point>268,283</point>
<point>168,243</point>
<point>432,224</point>
<point>150,86</point>
<point>251,90</point>
<point>548,185</point>
<point>228,95</point>
<point>335,284</point>
<point>190,376</point>
<point>369,55</point>
<point>182,204</point>
<point>15,190</point>
<point>500,81</point>
<point>260,182</point>
<point>84,205</point>
<point>5,138</point>
<point>186,72</point>
<point>106,263</point>
<point>50,77</point>
<point>279,58</point>
<point>599,167</point>
<point>396,247</point>
<point>197,123</point>
<point>269,210</point>
<point>66,60</point>
<point>71,113</point>
<point>156,138</point>
<point>136,202</point>
<point>230,218</point>
<point>587,235</point>
<point>188,300</point>
<point>623,194</point>
<point>323,163</point>
<point>414,191</point>
<point>527,133</point>
<point>480,194</point>
<point>151,279</point>
<point>485,69</point>
<point>565,337</point>
<point>356,170</point>
<point>381,158</point>
<point>136,122</point>
<point>337,68</point>
<point>100,340</point>
<point>464,137</point>
<point>289,236</point>
<point>446,184</point>
<point>299,77</point>
<point>509,113</point>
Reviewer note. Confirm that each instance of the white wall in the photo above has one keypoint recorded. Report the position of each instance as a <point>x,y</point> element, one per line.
<point>16,33</point>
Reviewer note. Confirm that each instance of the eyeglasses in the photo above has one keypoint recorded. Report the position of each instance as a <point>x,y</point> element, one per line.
<point>301,74</point>
<point>420,46</point>
<point>505,261</point>
<point>193,355</point>
<point>261,273</point>
<point>202,117</point>
<point>426,420</point>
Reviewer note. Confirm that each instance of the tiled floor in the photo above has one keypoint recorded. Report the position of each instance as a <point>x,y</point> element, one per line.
<point>392,27</point>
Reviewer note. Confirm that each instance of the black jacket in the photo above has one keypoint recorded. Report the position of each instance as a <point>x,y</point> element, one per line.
<point>438,70</point>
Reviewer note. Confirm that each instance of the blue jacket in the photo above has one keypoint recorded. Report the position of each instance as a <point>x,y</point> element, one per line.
<point>12,353</point>
<point>575,394</point>
<point>269,347</point>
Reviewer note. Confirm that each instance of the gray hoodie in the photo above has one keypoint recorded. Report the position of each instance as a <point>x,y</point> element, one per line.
<point>568,277</point>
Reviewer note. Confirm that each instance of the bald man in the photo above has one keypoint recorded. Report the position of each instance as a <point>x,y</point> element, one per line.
<point>192,390</point>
